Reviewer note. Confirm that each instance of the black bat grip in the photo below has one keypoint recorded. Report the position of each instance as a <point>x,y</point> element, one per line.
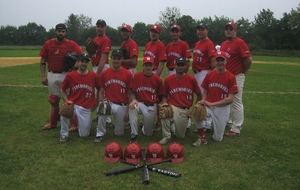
<point>121,170</point>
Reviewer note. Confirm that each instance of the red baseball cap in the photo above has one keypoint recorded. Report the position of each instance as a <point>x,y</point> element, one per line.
<point>175,26</point>
<point>232,24</point>
<point>156,27</point>
<point>175,152</point>
<point>220,54</point>
<point>133,153</point>
<point>113,152</point>
<point>148,59</point>
<point>126,27</point>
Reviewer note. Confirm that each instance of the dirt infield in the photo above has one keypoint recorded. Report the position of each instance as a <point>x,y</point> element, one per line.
<point>13,61</point>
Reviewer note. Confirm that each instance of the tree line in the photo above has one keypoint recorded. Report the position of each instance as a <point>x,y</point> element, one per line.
<point>265,32</point>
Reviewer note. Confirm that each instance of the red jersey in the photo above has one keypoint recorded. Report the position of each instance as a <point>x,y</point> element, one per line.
<point>54,52</point>
<point>104,46</point>
<point>203,51</point>
<point>180,92</point>
<point>132,49</point>
<point>147,88</point>
<point>82,88</point>
<point>219,86</point>
<point>116,84</point>
<point>237,50</point>
<point>157,51</point>
<point>176,50</point>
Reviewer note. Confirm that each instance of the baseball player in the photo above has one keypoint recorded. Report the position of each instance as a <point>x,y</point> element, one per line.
<point>177,48</point>
<point>100,58</point>
<point>239,62</point>
<point>178,91</point>
<point>219,90</point>
<point>53,53</point>
<point>203,59</point>
<point>145,93</point>
<point>114,85</point>
<point>81,84</point>
<point>130,60</point>
<point>156,49</point>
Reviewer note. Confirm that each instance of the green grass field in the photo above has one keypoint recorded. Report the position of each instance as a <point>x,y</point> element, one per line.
<point>264,156</point>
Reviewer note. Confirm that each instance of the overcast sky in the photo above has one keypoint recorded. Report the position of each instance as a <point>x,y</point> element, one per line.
<point>48,13</point>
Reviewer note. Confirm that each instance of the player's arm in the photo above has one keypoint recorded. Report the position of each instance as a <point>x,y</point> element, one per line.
<point>43,71</point>
<point>64,95</point>
<point>101,94</point>
<point>132,62</point>
<point>247,63</point>
<point>204,96</point>
<point>132,99</point>
<point>212,63</point>
<point>163,99</point>
<point>225,101</point>
<point>160,68</point>
<point>102,62</point>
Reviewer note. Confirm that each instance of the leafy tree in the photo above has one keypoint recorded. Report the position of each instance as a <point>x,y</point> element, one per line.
<point>188,29</point>
<point>31,34</point>
<point>294,23</point>
<point>76,25</point>
<point>140,33</point>
<point>169,16</point>
<point>8,35</point>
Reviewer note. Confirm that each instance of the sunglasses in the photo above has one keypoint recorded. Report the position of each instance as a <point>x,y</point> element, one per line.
<point>229,29</point>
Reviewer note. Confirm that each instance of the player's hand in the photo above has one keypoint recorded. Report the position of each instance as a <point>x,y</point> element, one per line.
<point>133,104</point>
<point>45,81</point>
<point>209,104</point>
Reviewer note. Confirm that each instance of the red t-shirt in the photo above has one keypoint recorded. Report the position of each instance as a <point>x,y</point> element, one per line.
<point>203,51</point>
<point>82,88</point>
<point>54,52</point>
<point>237,50</point>
<point>219,86</point>
<point>147,88</point>
<point>180,92</point>
<point>116,84</point>
<point>157,51</point>
<point>176,50</point>
<point>104,46</point>
<point>132,49</point>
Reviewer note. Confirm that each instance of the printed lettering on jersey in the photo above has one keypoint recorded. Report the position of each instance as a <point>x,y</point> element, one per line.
<point>181,89</point>
<point>150,54</point>
<point>174,54</point>
<point>145,88</point>
<point>198,52</point>
<point>115,81</point>
<point>85,86</point>
<point>218,85</point>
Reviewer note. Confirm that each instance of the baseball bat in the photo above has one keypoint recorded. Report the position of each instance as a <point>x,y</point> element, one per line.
<point>128,169</point>
<point>146,176</point>
<point>157,170</point>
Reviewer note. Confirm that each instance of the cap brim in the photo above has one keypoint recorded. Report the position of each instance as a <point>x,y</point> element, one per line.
<point>112,159</point>
<point>177,160</point>
<point>85,59</point>
<point>116,54</point>
<point>220,56</point>
<point>153,160</point>
<point>134,161</point>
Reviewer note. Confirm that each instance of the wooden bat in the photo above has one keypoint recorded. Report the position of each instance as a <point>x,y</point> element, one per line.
<point>146,176</point>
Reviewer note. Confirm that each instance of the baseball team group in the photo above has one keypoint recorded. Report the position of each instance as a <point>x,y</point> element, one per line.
<point>217,83</point>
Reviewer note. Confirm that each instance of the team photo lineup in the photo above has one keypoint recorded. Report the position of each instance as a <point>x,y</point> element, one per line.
<point>144,101</point>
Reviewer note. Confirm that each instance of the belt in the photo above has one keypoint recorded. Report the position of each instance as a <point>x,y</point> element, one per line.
<point>55,71</point>
<point>120,104</point>
<point>181,107</point>
<point>148,104</point>
<point>198,71</point>
<point>171,69</point>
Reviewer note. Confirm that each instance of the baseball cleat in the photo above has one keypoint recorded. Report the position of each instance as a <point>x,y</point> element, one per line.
<point>198,142</point>
<point>98,139</point>
<point>231,133</point>
<point>164,140</point>
<point>48,126</point>
<point>63,139</point>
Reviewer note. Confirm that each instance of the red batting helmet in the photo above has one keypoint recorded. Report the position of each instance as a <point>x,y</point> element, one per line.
<point>155,152</point>
<point>175,152</point>
<point>113,152</point>
<point>133,153</point>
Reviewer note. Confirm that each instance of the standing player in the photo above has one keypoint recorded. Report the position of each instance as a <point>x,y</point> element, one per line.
<point>100,58</point>
<point>53,53</point>
<point>145,94</point>
<point>219,90</point>
<point>179,90</point>
<point>131,58</point>
<point>203,59</point>
<point>114,84</point>
<point>156,49</point>
<point>238,63</point>
<point>81,84</point>
<point>175,49</point>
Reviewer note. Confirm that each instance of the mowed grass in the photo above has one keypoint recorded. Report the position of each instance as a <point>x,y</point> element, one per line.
<point>264,156</point>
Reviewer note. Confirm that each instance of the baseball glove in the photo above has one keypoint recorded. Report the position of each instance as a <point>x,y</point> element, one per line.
<point>198,112</point>
<point>165,111</point>
<point>126,54</point>
<point>67,110</point>
<point>91,46</point>
<point>69,61</point>
<point>104,108</point>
